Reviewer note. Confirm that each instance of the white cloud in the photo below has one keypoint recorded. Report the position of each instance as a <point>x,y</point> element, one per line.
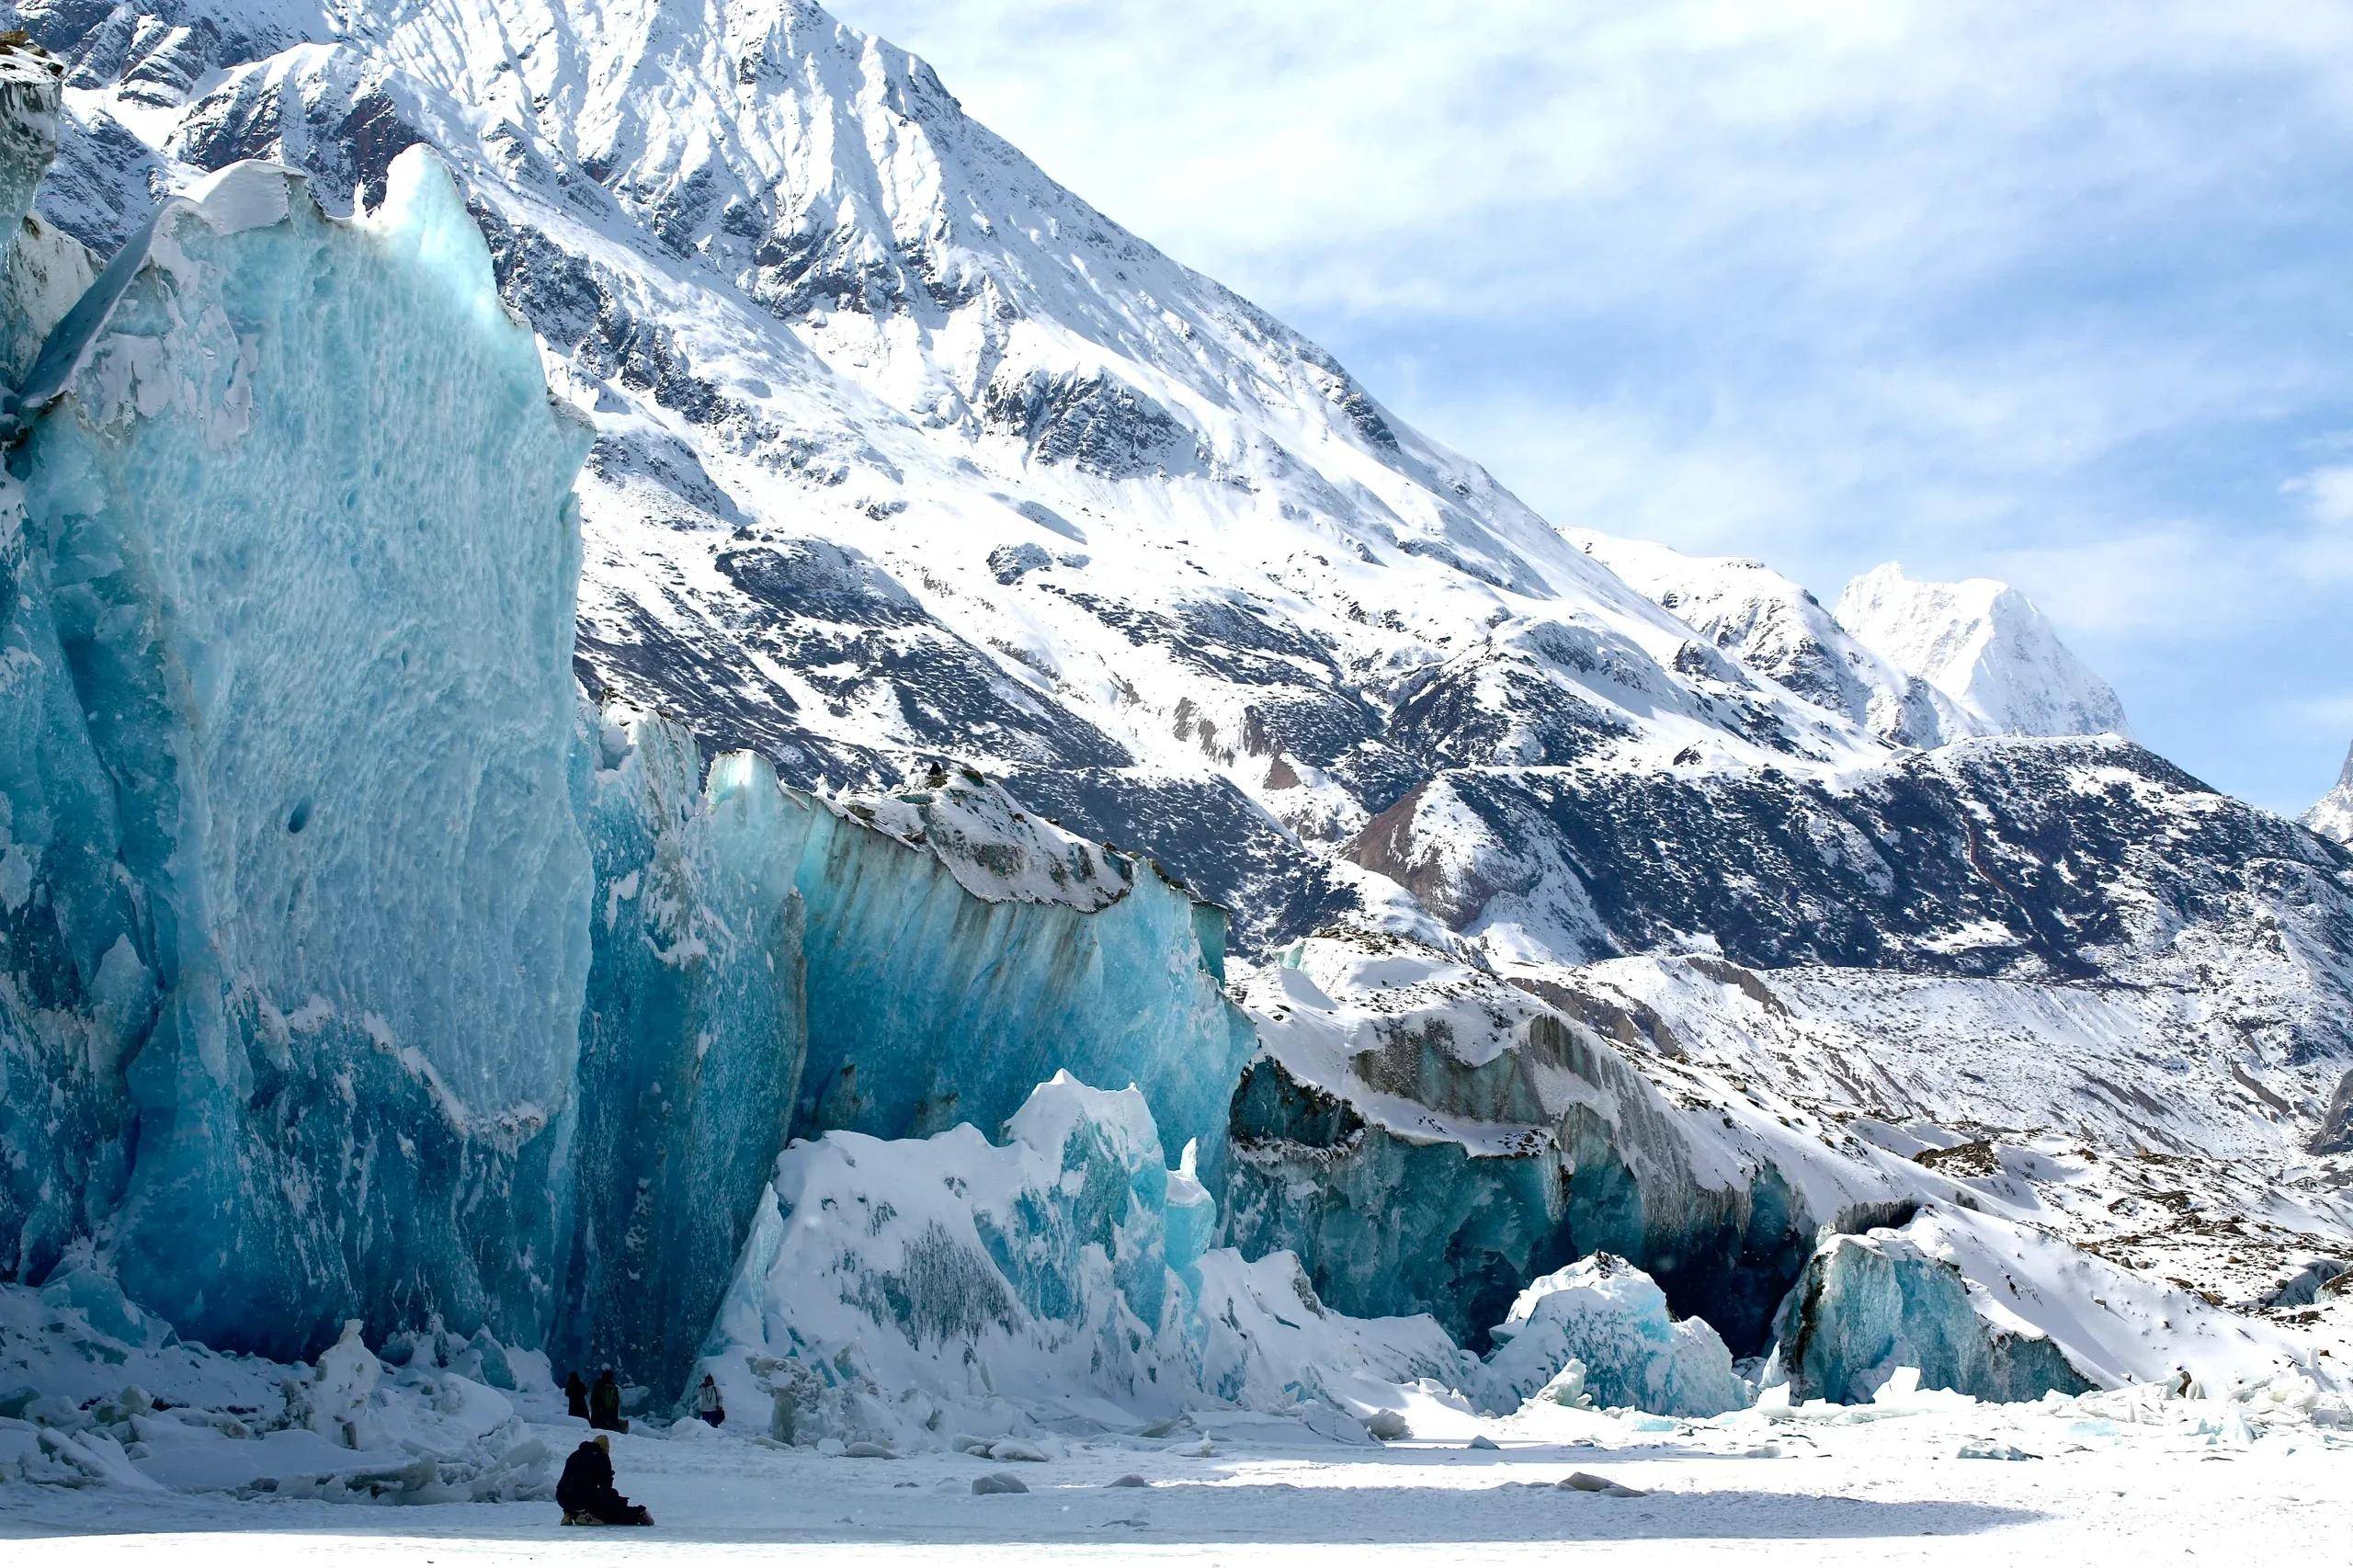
<point>2331,714</point>
<point>2327,492</point>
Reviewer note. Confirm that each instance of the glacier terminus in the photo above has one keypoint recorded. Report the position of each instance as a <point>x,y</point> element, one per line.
<point>659,711</point>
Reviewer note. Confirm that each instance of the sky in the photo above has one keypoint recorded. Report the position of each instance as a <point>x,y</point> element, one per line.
<point>2060,294</point>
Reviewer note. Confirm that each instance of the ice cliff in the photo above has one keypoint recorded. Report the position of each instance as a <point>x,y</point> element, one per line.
<point>286,770</point>
<point>355,970</point>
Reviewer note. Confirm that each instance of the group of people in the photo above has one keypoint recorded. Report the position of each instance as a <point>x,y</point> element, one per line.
<point>585,1491</point>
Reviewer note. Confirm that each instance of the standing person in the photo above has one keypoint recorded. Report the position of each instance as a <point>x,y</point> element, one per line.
<point>605,1403</point>
<point>586,1493</point>
<point>576,1395</point>
<point>706,1403</point>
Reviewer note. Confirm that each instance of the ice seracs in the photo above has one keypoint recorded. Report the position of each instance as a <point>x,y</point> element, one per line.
<point>1984,646</point>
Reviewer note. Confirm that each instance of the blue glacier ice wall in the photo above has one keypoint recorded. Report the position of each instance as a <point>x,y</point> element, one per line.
<point>690,1042</point>
<point>1613,1320</point>
<point>299,542</point>
<point>945,984</point>
<point>1866,1305</point>
<point>931,955</point>
<point>74,999</point>
<point>350,970</point>
<point>1506,1169</point>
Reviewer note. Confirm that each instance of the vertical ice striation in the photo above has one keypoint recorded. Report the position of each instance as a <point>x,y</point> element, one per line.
<point>691,1039</point>
<point>74,994</point>
<point>945,984</point>
<point>296,502</point>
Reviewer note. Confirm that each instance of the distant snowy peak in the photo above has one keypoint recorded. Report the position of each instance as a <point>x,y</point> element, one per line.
<point>2332,815</point>
<point>1775,627</point>
<point>1985,645</point>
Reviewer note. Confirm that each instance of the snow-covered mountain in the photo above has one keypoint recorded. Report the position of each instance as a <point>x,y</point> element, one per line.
<point>1574,883</point>
<point>903,447</point>
<point>2332,815</point>
<point>1776,628</point>
<point>1985,645</point>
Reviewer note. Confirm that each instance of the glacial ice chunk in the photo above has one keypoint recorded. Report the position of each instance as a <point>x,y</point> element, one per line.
<point>1599,1330</point>
<point>1868,1306</point>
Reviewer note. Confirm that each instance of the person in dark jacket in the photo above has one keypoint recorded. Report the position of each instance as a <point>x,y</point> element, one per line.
<point>707,1402</point>
<point>575,1396</point>
<point>605,1403</point>
<point>585,1491</point>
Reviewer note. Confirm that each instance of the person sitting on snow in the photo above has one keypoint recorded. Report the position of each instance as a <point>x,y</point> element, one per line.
<point>707,1404</point>
<point>585,1491</point>
<point>605,1403</point>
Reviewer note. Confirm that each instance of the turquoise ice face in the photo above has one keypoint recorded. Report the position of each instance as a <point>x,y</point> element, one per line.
<point>299,542</point>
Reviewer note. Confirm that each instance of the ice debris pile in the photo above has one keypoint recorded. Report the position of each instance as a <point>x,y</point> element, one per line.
<point>912,1292</point>
<point>95,1391</point>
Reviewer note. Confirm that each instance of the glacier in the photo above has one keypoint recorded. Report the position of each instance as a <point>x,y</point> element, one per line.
<point>341,1019</point>
<point>344,931</point>
<point>421,992</point>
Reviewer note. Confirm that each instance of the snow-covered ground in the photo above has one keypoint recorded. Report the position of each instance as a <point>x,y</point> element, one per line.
<point>2119,1477</point>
